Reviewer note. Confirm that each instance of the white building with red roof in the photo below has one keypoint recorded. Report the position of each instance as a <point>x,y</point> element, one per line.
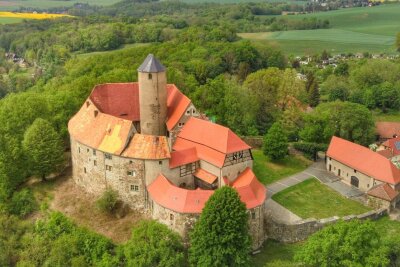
<point>148,142</point>
<point>363,168</point>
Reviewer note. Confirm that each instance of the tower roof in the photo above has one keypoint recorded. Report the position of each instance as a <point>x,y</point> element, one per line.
<point>151,64</point>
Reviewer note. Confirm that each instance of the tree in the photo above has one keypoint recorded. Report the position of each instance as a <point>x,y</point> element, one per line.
<point>312,90</point>
<point>291,90</point>
<point>353,243</point>
<point>275,143</point>
<point>221,235</point>
<point>43,147</point>
<point>153,244</point>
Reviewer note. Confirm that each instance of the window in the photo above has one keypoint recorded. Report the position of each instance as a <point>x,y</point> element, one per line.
<point>171,216</point>
<point>253,214</point>
<point>107,156</point>
<point>234,156</point>
<point>134,188</point>
<point>131,173</point>
<point>160,162</point>
<point>130,162</point>
<point>193,111</point>
<point>95,162</point>
<point>84,170</point>
<point>94,152</point>
<point>240,154</point>
<point>150,76</point>
<point>79,149</point>
<point>188,112</point>
<point>108,168</point>
<point>180,124</point>
<point>188,166</point>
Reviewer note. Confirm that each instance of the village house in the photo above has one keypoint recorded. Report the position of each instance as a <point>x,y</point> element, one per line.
<point>390,149</point>
<point>148,142</point>
<point>365,169</point>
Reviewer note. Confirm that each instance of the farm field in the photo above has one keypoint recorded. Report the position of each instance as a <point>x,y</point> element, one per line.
<point>7,20</point>
<point>43,4</point>
<point>15,17</point>
<point>368,29</point>
<point>312,199</point>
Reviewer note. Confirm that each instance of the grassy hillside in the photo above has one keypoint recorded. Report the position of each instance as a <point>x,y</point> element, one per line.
<point>368,29</point>
<point>14,4</point>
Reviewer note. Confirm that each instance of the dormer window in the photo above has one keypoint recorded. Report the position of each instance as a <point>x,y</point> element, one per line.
<point>150,76</point>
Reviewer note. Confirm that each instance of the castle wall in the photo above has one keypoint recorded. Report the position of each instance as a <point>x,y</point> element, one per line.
<point>189,112</point>
<point>256,226</point>
<point>95,171</point>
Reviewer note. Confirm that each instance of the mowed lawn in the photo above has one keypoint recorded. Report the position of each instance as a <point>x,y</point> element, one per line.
<point>312,199</point>
<point>363,29</point>
<point>268,171</point>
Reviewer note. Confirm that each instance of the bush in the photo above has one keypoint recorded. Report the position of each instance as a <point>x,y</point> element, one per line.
<point>275,143</point>
<point>108,201</point>
<point>22,203</point>
<point>310,150</point>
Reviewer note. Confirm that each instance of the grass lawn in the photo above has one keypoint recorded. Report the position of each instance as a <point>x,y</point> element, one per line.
<point>4,20</point>
<point>360,29</point>
<point>268,171</point>
<point>274,253</point>
<point>312,199</point>
<point>390,116</point>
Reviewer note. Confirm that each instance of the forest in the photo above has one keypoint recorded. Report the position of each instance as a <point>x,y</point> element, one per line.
<point>243,85</point>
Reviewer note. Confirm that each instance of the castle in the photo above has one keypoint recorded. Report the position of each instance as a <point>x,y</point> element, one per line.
<point>147,141</point>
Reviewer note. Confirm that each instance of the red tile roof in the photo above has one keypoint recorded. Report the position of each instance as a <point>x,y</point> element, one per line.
<point>387,129</point>
<point>118,99</point>
<point>205,176</point>
<point>363,160</point>
<point>383,191</point>
<point>182,157</point>
<point>251,191</point>
<point>387,153</point>
<point>212,135</point>
<point>177,104</point>
<point>391,144</point>
<point>147,147</point>
<point>163,192</point>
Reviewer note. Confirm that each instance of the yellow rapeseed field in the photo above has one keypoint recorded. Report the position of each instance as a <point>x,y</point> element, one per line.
<point>30,15</point>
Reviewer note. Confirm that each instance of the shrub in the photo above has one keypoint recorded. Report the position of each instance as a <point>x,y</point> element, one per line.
<point>310,150</point>
<point>22,203</point>
<point>108,201</point>
<point>275,143</point>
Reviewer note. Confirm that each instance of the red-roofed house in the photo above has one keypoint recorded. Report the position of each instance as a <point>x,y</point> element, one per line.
<point>383,196</point>
<point>360,166</point>
<point>390,149</point>
<point>145,140</point>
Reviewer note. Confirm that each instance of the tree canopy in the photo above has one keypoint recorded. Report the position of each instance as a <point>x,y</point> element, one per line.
<point>221,236</point>
<point>275,143</point>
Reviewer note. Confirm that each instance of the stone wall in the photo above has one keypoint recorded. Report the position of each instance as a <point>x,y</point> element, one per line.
<point>301,230</point>
<point>253,141</point>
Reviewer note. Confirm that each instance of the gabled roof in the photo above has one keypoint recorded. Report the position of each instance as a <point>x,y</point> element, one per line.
<point>177,104</point>
<point>166,194</point>
<point>151,64</point>
<point>383,191</point>
<point>387,129</point>
<point>250,190</point>
<point>212,135</point>
<point>363,160</point>
<point>394,145</point>
<point>182,157</point>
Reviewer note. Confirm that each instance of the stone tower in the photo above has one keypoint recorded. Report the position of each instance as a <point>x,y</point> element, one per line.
<point>152,96</point>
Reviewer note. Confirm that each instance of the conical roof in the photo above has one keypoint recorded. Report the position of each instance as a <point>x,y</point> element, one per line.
<point>151,64</point>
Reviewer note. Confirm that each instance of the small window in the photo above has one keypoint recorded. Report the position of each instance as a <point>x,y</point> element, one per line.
<point>108,167</point>
<point>193,111</point>
<point>180,124</point>
<point>94,152</point>
<point>160,162</point>
<point>253,215</point>
<point>189,166</point>
<point>79,150</point>
<point>131,173</point>
<point>87,150</point>
<point>150,76</point>
<point>240,154</point>
<point>188,112</point>
<point>107,156</point>
<point>134,188</point>
<point>130,162</point>
<point>234,156</point>
<point>84,170</point>
<point>95,162</point>
<point>171,216</point>
<point>355,171</point>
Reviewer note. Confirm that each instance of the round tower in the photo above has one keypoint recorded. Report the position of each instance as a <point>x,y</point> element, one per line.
<point>152,96</point>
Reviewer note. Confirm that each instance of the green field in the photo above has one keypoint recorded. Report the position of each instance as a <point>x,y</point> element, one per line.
<point>43,4</point>
<point>312,199</point>
<point>366,29</point>
<point>10,20</point>
<point>268,171</point>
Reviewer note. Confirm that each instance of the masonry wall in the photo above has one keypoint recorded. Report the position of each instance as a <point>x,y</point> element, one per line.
<point>96,172</point>
<point>365,182</point>
<point>256,226</point>
<point>301,230</point>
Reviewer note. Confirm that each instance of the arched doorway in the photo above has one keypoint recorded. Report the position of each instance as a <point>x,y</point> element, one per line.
<point>354,181</point>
